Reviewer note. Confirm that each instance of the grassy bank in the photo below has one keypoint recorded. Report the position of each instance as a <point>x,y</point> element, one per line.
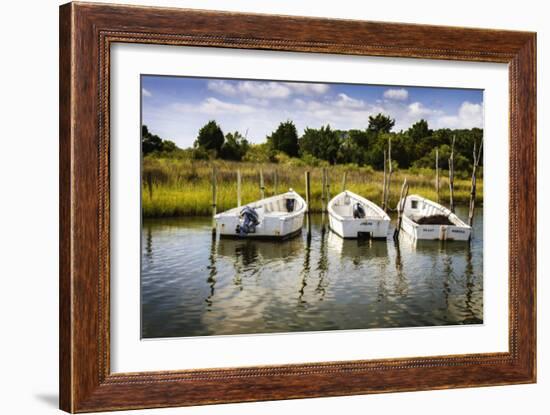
<point>172,187</point>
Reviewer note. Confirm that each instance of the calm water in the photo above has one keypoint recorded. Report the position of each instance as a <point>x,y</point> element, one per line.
<point>194,285</point>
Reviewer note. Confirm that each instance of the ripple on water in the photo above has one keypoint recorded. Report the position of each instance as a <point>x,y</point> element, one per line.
<point>194,285</point>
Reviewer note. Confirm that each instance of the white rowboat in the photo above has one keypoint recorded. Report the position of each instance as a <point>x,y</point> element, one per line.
<point>277,217</point>
<point>353,216</point>
<point>425,219</point>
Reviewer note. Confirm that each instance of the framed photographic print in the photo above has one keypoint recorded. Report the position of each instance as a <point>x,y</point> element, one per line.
<point>260,207</point>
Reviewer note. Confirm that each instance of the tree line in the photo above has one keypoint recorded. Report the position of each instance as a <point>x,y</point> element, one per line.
<point>414,147</point>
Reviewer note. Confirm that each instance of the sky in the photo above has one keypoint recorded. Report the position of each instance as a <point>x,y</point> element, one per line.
<point>175,108</point>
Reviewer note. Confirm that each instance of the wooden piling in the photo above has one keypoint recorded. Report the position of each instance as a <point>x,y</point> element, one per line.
<point>344,179</point>
<point>323,189</point>
<point>149,178</point>
<point>262,187</point>
<point>437,173</point>
<point>452,176</point>
<point>477,157</point>
<point>327,183</point>
<point>308,198</point>
<point>308,190</point>
<point>400,208</point>
<point>383,203</point>
<point>275,182</point>
<point>214,197</point>
<point>239,187</point>
<point>388,184</point>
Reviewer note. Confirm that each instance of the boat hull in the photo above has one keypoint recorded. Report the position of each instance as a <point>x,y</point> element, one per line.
<point>357,228</point>
<point>269,228</point>
<point>342,221</point>
<point>274,220</point>
<point>419,207</point>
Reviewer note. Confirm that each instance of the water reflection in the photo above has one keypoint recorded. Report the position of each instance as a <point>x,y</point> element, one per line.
<point>401,282</point>
<point>357,250</point>
<point>195,284</point>
<point>211,280</point>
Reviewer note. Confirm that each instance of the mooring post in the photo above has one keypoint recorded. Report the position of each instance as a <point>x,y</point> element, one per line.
<point>275,181</point>
<point>437,173</point>
<point>400,208</point>
<point>149,178</point>
<point>262,187</point>
<point>344,179</point>
<point>239,187</point>
<point>308,195</point>
<point>214,197</point>
<point>308,198</point>
<point>477,157</point>
<point>452,177</point>
<point>323,185</point>
<point>390,170</point>
<point>384,184</point>
<point>327,182</point>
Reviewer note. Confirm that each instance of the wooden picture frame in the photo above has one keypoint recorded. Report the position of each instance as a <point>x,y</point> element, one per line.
<point>86,33</point>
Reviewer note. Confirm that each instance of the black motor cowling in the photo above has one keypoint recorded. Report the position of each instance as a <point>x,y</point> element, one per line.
<point>358,211</point>
<point>249,221</point>
<point>290,204</point>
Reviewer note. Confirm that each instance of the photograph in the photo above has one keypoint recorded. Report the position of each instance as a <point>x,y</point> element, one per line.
<point>276,206</point>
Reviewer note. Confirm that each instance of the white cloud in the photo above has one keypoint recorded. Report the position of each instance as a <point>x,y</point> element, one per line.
<point>469,115</point>
<point>299,103</point>
<point>261,90</point>
<point>307,89</point>
<point>266,90</point>
<point>222,87</point>
<point>214,106</point>
<point>146,93</point>
<point>400,94</point>
<point>417,109</point>
<point>346,101</point>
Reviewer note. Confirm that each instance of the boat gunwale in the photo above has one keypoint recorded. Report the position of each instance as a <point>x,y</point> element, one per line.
<point>235,212</point>
<point>461,224</point>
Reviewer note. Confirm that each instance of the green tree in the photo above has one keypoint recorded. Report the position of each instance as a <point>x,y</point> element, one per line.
<point>149,142</point>
<point>361,138</point>
<point>349,151</point>
<point>210,137</point>
<point>285,139</point>
<point>234,147</point>
<point>402,149</point>
<point>323,143</point>
<point>259,153</point>
<point>462,164</point>
<point>419,130</point>
<point>168,146</point>
<point>380,123</point>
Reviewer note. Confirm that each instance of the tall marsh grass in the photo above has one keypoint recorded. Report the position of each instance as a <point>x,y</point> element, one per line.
<point>172,187</point>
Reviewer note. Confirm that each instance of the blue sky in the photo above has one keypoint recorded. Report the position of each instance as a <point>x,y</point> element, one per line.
<point>175,108</point>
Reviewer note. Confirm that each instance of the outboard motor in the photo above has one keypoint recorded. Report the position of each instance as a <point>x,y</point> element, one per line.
<point>290,204</point>
<point>358,211</point>
<point>249,218</point>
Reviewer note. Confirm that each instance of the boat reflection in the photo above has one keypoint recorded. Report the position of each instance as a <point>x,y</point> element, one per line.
<point>250,251</point>
<point>357,249</point>
<point>430,246</point>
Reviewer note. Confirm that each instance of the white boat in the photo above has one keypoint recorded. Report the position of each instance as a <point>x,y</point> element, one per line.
<point>425,219</point>
<point>353,216</point>
<point>277,217</point>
